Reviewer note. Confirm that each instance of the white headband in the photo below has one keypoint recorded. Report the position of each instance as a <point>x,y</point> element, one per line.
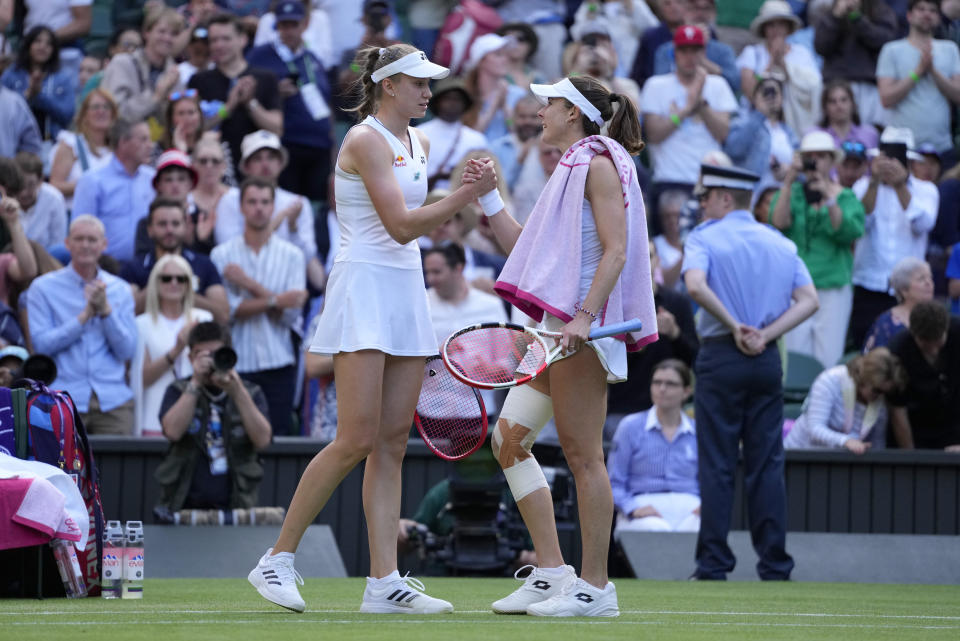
<point>413,64</point>
<point>565,89</point>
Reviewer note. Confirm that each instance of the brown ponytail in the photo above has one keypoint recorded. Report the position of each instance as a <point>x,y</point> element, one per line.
<point>364,91</point>
<point>624,124</point>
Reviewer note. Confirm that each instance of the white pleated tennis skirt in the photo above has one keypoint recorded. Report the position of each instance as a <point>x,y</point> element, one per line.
<point>611,352</point>
<point>369,306</point>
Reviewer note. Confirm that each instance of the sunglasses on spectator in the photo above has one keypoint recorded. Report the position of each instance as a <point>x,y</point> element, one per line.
<point>209,161</point>
<point>186,93</point>
<point>169,278</point>
<point>852,148</point>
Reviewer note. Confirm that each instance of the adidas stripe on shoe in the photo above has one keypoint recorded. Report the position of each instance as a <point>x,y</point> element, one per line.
<point>400,595</point>
<point>276,580</point>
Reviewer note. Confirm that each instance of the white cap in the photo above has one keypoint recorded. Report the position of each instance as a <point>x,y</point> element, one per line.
<point>565,89</point>
<point>261,139</point>
<point>821,141</point>
<point>482,46</point>
<point>413,64</point>
<point>898,135</point>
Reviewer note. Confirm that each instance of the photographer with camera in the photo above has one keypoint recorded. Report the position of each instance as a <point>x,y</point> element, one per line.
<point>216,423</point>
<point>823,219</point>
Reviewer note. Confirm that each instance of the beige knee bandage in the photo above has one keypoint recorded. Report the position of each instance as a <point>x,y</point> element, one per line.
<point>524,409</point>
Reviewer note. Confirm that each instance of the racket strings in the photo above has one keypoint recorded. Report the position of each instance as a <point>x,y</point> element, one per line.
<point>495,355</point>
<point>450,415</point>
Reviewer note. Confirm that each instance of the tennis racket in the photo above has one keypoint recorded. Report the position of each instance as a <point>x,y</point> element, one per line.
<point>450,416</point>
<point>501,355</point>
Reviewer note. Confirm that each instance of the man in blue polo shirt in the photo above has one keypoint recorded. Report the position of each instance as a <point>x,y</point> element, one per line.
<point>306,99</point>
<point>753,288</point>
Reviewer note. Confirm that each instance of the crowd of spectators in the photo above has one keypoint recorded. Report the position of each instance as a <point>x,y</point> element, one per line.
<point>183,173</point>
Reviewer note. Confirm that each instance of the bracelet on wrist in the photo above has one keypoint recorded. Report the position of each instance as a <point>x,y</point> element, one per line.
<point>586,311</point>
<point>491,203</point>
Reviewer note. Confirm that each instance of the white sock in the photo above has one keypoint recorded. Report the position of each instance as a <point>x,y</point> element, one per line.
<point>554,572</point>
<point>393,576</point>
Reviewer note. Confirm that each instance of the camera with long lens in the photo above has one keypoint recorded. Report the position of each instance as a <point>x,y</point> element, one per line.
<point>224,358</point>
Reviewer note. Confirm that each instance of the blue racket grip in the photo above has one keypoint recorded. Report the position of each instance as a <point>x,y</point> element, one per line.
<point>632,325</point>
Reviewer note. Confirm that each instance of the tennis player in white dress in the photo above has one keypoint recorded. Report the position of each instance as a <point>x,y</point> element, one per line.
<point>376,324</point>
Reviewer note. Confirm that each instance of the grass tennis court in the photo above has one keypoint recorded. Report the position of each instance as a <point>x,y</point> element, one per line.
<point>200,609</point>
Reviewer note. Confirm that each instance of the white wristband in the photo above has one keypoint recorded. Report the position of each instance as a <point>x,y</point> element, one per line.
<point>492,203</point>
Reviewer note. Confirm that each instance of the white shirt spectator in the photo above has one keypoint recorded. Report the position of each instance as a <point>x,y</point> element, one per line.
<point>51,13</point>
<point>677,159</point>
<point>449,143</point>
<point>891,232</point>
<point>46,221</point>
<point>230,223</point>
<point>95,158</point>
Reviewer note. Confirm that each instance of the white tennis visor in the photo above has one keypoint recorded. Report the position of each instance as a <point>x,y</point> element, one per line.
<point>413,64</point>
<point>565,89</point>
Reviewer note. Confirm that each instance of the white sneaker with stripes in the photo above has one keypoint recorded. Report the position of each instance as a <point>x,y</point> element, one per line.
<point>537,586</point>
<point>397,594</point>
<point>276,580</point>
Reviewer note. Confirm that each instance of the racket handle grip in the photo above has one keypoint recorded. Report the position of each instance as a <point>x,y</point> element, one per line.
<point>632,325</point>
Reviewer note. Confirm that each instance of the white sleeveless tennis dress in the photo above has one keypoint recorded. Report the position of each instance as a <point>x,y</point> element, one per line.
<point>376,297</point>
<point>611,351</point>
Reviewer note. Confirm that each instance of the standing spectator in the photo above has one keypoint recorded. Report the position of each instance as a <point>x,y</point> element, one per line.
<point>249,99</point>
<point>210,160</point>
<point>87,148</point>
<point>653,459</point>
<point>307,122</point>
<point>759,140</point>
<point>668,242</point>
<point>592,53</point>
<point>183,123</point>
<point>513,149</point>
<point>266,279</point>
<point>47,88</point>
<point>18,266</point>
<point>900,211</point>
<point>912,284</point>
<point>83,318</point>
<point>795,62</point>
<point>486,80</point>
<point>196,55</point>
<point>823,219</point>
<point>426,18</point>
<point>672,15</point>
<point>841,116</point>
<point>317,36</point>
<point>854,164</point>
<point>547,19</point>
<point>739,390</point>
<point>521,50</point>
<point>450,139</point>
<point>628,20</point>
<point>44,214</point>
<point>918,78</point>
<point>686,114</point>
<point>162,332</point>
<point>720,59</point>
<point>70,20</point>
<point>927,414</point>
<point>141,81</point>
<point>120,192</point>
<point>18,125</point>
<point>849,37</point>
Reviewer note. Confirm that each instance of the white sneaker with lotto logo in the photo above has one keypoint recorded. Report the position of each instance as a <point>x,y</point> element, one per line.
<point>579,599</point>
<point>276,580</point>
<point>539,586</point>
<point>395,594</point>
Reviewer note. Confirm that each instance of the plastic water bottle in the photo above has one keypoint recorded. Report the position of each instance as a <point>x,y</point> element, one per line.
<point>69,565</point>
<point>133,560</point>
<point>111,579</point>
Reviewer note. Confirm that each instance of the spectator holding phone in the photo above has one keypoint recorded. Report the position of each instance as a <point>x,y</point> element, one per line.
<point>823,218</point>
<point>759,140</point>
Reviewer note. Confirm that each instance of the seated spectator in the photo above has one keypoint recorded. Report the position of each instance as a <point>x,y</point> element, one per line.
<point>759,140</point>
<point>90,337</point>
<point>85,149</point>
<point>174,179</point>
<point>38,77</point>
<point>162,333</point>
<point>672,15</point>
<point>917,78</point>
<point>547,17</point>
<point>720,59</point>
<point>533,175</point>
<point>847,407</point>
<point>450,139</point>
<point>685,115</point>
<point>494,97</point>
<point>44,214</point>
<point>12,358</point>
<point>653,459</point>
<point>210,161</point>
<point>124,39</point>
<point>21,132</point>
<point>854,165</point>
<point>216,424</point>
<point>90,66</point>
<point>521,50</point>
<point>141,81</point>
<point>927,414</point>
<point>166,228</point>
<point>912,284</point>
<point>925,163</point>
<point>120,192</point>
<point>849,37</point>
<point>266,288</point>
<point>592,53</point>
<point>900,210</point>
<point>823,219</point>
<point>514,149</point>
<point>668,242</point>
<point>246,99</point>
<point>70,21</point>
<point>841,116</point>
<point>183,123</point>
<point>763,201</point>
<point>17,266</point>
<point>801,94</point>
<point>627,20</point>
<point>196,54</point>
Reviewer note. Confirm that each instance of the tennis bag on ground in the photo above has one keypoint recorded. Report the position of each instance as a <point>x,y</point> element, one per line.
<point>55,435</point>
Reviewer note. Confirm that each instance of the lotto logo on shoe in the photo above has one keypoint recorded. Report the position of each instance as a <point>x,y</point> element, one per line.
<point>399,161</point>
<point>540,584</point>
<point>583,596</point>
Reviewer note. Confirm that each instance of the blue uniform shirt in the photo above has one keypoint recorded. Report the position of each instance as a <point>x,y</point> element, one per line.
<point>752,268</point>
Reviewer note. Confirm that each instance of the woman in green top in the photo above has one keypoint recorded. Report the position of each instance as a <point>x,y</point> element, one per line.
<point>823,219</point>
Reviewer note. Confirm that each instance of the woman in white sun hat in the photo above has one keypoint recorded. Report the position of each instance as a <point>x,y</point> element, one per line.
<point>580,261</point>
<point>376,324</point>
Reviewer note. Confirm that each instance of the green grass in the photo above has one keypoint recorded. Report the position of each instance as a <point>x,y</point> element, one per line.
<point>229,609</point>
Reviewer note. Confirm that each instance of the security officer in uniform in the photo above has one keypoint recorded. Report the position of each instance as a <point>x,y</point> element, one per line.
<point>753,288</point>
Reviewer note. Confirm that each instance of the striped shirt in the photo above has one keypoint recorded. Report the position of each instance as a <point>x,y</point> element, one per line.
<point>642,461</point>
<point>262,343</point>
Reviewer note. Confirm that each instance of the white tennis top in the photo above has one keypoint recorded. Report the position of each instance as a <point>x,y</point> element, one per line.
<point>363,238</point>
